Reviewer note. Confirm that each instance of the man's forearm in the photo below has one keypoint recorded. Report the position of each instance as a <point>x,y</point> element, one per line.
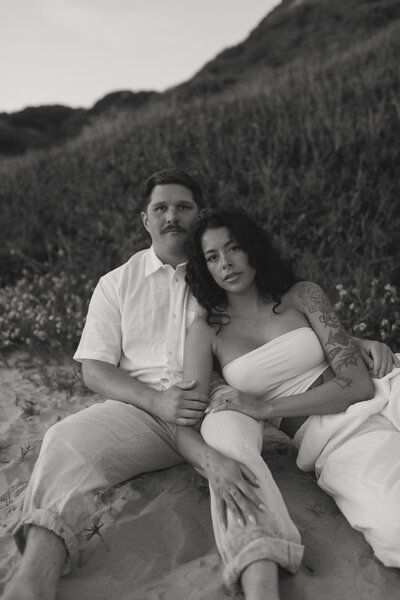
<point>193,449</point>
<point>115,384</point>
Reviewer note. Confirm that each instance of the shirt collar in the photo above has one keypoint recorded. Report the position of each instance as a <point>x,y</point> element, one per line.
<point>153,263</point>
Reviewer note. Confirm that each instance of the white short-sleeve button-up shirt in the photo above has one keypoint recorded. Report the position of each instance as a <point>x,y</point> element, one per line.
<point>138,318</point>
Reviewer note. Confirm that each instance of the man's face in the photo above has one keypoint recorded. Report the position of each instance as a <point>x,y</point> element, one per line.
<point>170,218</point>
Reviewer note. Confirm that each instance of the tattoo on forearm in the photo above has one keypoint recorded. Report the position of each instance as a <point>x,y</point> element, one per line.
<point>349,357</point>
<point>319,381</point>
<point>340,349</point>
<point>339,337</point>
<point>332,353</point>
<point>342,381</point>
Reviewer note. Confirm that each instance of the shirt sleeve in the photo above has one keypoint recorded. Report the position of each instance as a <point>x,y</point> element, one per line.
<point>101,337</point>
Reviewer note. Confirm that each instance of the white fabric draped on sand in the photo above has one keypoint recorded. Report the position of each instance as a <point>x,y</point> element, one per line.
<point>319,429</point>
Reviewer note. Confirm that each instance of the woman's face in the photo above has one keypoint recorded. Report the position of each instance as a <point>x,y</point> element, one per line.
<point>226,261</point>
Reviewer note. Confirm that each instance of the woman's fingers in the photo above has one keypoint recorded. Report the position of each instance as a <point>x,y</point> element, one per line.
<point>250,501</point>
<point>384,367</point>
<point>240,508</point>
<point>222,403</point>
<point>217,407</point>
<point>220,506</point>
<point>243,511</point>
<point>233,507</point>
<point>249,475</point>
<point>381,360</point>
<point>235,486</point>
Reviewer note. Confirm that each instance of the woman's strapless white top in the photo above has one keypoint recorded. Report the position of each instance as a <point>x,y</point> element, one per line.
<point>286,365</point>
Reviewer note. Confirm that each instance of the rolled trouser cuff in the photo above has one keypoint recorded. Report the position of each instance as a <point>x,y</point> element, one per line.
<point>51,522</point>
<point>287,555</point>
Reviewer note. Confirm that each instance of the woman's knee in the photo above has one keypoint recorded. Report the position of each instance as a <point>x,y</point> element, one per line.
<point>232,433</point>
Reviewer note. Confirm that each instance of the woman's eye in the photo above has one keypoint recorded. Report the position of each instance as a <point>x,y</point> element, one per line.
<point>234,248</point>
<point>210,258</point>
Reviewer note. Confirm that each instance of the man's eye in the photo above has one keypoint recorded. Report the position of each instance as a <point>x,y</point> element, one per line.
<point>184,207</point>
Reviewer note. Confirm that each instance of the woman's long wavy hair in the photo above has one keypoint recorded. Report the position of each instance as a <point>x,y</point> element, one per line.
<point>274,276</point>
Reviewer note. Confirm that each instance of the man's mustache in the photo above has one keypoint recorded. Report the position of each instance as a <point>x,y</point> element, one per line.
<point>173,228</point>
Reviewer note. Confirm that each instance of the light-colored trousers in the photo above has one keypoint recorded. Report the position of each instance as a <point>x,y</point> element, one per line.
<point>108,443</point>
<point>356,456</point>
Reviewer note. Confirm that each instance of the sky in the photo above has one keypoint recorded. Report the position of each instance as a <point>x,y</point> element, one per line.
<point>74,52</point>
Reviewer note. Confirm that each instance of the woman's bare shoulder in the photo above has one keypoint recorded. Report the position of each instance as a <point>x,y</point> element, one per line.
<point>303,292</point>
<point>200,327</point>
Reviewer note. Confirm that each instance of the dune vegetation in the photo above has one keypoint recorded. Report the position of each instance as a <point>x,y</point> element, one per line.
<point>310,148</point>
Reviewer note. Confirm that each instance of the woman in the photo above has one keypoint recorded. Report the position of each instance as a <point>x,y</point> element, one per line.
<point>278,341</point>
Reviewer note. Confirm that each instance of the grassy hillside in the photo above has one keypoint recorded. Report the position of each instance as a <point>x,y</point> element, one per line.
<point>39,127</point>
<point>312,151</point>
<point>296,30</point>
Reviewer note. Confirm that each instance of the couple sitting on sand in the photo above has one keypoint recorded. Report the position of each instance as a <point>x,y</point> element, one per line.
<point>285,359</point>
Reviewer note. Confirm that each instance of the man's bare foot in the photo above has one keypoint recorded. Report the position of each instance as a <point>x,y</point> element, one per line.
<point>21,588</point>
<point>40,569</point>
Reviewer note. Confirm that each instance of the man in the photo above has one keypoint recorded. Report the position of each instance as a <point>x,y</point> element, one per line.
<point>131,352</point>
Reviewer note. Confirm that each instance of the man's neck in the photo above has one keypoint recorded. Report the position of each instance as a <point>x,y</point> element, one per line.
<point>171,259</point>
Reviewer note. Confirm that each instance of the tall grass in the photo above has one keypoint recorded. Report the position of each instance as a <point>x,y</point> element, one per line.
<point>312,152</point>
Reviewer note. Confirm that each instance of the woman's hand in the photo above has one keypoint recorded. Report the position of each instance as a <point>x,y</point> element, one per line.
<point>378,357</point>
<point>233,484</point>
<point>231,399</point>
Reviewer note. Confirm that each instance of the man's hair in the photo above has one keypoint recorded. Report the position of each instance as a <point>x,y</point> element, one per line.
<point>274,275</point>
<point>166,176</point>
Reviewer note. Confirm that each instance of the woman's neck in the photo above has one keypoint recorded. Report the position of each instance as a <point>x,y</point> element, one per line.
<point>248,303</point>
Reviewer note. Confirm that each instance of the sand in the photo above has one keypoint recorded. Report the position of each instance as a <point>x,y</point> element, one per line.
<point>151,538</point>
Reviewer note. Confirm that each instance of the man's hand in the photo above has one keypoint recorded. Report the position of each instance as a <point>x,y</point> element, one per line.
<point>233,484</point>
<point>378,357</point>
<point>180,404</point>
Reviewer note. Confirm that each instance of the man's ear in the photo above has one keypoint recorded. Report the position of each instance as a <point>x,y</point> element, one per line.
<point>202,212</point>
<point>144,220</point>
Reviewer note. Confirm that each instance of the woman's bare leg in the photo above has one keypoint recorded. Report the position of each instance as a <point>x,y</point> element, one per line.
<point>260,581</point>
<point>40,569</point>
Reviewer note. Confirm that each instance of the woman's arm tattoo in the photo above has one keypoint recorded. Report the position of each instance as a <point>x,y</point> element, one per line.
<point>340,349</point>
<point>315,300</point>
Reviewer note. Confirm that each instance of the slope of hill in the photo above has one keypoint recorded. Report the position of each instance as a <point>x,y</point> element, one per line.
<point>305,30</point>
<point>309,30</point>
<point>38,127</point>
<point>313,153</point>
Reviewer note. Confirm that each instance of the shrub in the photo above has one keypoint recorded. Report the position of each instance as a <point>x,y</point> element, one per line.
<point>45,312</point>
<point>371,313</point>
